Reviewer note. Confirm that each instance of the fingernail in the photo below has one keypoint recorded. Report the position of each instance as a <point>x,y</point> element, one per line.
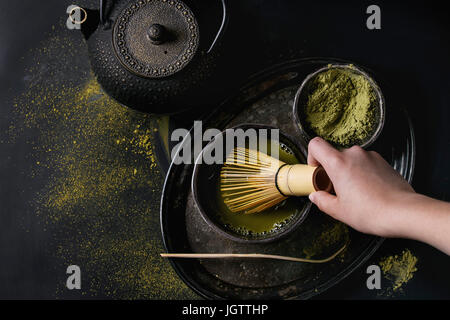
<point>311,196</point>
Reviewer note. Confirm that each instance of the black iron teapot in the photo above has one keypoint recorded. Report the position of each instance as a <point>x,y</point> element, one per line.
<point>156,56</point>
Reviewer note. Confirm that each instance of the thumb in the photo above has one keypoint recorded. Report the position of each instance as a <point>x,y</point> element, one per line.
<point>326,202</point>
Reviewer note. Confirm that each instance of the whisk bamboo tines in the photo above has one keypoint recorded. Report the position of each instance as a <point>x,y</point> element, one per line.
<point>252,181</point>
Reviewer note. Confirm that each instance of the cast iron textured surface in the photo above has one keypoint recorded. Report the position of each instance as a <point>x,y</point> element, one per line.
<point>123,66</point>
<point>172,26</point>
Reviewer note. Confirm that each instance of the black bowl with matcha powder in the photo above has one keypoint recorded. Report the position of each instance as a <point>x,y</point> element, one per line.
<point>342,104</point>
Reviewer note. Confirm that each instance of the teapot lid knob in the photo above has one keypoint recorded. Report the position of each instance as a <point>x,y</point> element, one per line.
<point>156,33</point>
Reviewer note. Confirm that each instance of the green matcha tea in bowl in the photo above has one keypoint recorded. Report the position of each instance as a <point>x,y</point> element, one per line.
<point>342,104</point>
<point>269,225</point>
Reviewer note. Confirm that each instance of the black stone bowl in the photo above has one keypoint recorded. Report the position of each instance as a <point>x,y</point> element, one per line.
<point>205,181</point>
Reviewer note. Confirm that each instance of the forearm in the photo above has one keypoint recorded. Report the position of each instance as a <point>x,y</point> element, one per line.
<point>422,218</point>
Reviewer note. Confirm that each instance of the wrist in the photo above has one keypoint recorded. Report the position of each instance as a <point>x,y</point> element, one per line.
<point>421,218</point>
<point>405,216</point>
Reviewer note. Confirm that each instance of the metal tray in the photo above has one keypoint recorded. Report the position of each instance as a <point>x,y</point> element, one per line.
<point>267,99</point>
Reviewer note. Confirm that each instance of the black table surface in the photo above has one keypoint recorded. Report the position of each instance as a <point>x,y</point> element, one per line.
<point>411,50</point>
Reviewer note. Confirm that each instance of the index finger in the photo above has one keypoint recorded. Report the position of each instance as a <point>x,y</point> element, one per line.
<point>322,153</point>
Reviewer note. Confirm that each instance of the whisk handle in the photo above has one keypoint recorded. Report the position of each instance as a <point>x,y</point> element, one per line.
<point>302,180</point>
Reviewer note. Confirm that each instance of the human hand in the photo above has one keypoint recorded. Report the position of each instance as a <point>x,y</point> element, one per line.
<point>368,190</point>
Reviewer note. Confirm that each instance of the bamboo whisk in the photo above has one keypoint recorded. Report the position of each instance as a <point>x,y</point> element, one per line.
<point>252,181</point>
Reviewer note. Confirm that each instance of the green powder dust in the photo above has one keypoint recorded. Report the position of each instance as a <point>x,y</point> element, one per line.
<point>334,234</point>
<point>99,181</point>
<point>399,269</point>
<point>340,107</point>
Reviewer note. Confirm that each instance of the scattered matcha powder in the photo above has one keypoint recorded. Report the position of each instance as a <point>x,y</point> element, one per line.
<point>335,234</point>
<point>399,269</point>
<point>101,184</point>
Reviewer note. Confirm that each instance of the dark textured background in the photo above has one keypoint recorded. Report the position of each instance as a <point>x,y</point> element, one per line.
<point>412,51</point>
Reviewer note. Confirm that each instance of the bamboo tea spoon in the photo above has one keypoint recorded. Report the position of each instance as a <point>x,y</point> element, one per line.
<point>249,255</point>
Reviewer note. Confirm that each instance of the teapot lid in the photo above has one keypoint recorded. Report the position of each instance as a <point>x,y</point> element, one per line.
<point>155,38</point>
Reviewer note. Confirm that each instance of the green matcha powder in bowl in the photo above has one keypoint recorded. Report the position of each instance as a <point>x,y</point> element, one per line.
<point>342,104</point>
